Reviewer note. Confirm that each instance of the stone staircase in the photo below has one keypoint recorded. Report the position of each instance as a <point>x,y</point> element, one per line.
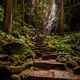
<point>45,66</point>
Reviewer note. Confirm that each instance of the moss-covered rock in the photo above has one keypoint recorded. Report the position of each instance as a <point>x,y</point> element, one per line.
<point>14,77</point>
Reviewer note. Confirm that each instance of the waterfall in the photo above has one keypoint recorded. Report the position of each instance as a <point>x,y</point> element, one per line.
<point>53,17</point>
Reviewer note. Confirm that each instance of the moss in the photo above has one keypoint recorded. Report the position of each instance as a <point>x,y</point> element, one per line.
<point>18,50</point>
<point>61,59</point>
<point>14,57</point>
<point>14,77</point>
<point>2,63</point>
<point>15,69</point>
<point>74,63</point>
<point>21,45</point>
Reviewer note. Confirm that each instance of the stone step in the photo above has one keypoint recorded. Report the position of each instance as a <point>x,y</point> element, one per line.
<point>49,52</point>
<point>49,56</point>
<point>49,64</point>
<point>41,48</point>
<point>40,45</point>
<point>39,41</point>
<point>54,52</point>
<point>63,53</point>
<point>38,53</point>
<point>44,75</point>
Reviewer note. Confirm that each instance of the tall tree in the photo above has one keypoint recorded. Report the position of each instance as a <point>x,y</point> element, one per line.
<point>62,17</point>
<point>22,12</point>
<point>8,16</point>
<point>32,9</point>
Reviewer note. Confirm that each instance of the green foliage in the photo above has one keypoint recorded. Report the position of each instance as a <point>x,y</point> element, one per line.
<point>3,63</point>
<point>73,38</point>
<point>5,39</point>
<point>20,48</point>
<point>1,17</point>
<point>1,13</point>
<point>76,58</point>
<point>15,77</point>
<point>61,59</point>
<point>56,42</point>
<point>36,19</point>
<point>66,43</point>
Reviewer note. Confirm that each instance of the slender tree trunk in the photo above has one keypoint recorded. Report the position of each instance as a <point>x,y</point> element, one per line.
<point>22,12</point>
<point>32,10</point>
<point>43,15</point>
<point>36,3</point>
<point>62,17</point>
<point>14,3</point>
<point>8,16</point>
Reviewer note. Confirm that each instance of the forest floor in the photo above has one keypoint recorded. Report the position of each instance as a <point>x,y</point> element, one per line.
<point>43,57</point>
<point>46,67</point>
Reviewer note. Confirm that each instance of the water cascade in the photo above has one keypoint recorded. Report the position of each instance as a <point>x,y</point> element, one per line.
<point>53,17</point>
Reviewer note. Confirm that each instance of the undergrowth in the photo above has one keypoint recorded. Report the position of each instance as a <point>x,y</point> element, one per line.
<point>16,48</point>
<point>63,43</point>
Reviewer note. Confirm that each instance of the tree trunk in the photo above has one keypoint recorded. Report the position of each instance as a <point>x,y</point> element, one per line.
<point>62,17</point>
<point>14,3</point>
<point>22,12</point>
<point>8,16</point>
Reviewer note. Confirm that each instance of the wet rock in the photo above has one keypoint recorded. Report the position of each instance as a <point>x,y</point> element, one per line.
<point>49,64</point>
<point>14,77</point>
<point>62,75</point>
<point>49,52</point>
<point>38,74</point>
<point>49,56</point>
<point>18,63</point>
<point>40,45</point>
<point>15,69</point>
<point>77,70</point>
<point>41,48</point>
<point>63,53</point>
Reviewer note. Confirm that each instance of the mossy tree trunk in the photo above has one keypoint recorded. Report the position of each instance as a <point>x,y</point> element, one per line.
<point>8,16</point>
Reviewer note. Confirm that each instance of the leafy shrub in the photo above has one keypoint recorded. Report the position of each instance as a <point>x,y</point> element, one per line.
<point>56,42</point>
<point>1,13</point>
<point>65,43</point>
<point>18,48</point>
